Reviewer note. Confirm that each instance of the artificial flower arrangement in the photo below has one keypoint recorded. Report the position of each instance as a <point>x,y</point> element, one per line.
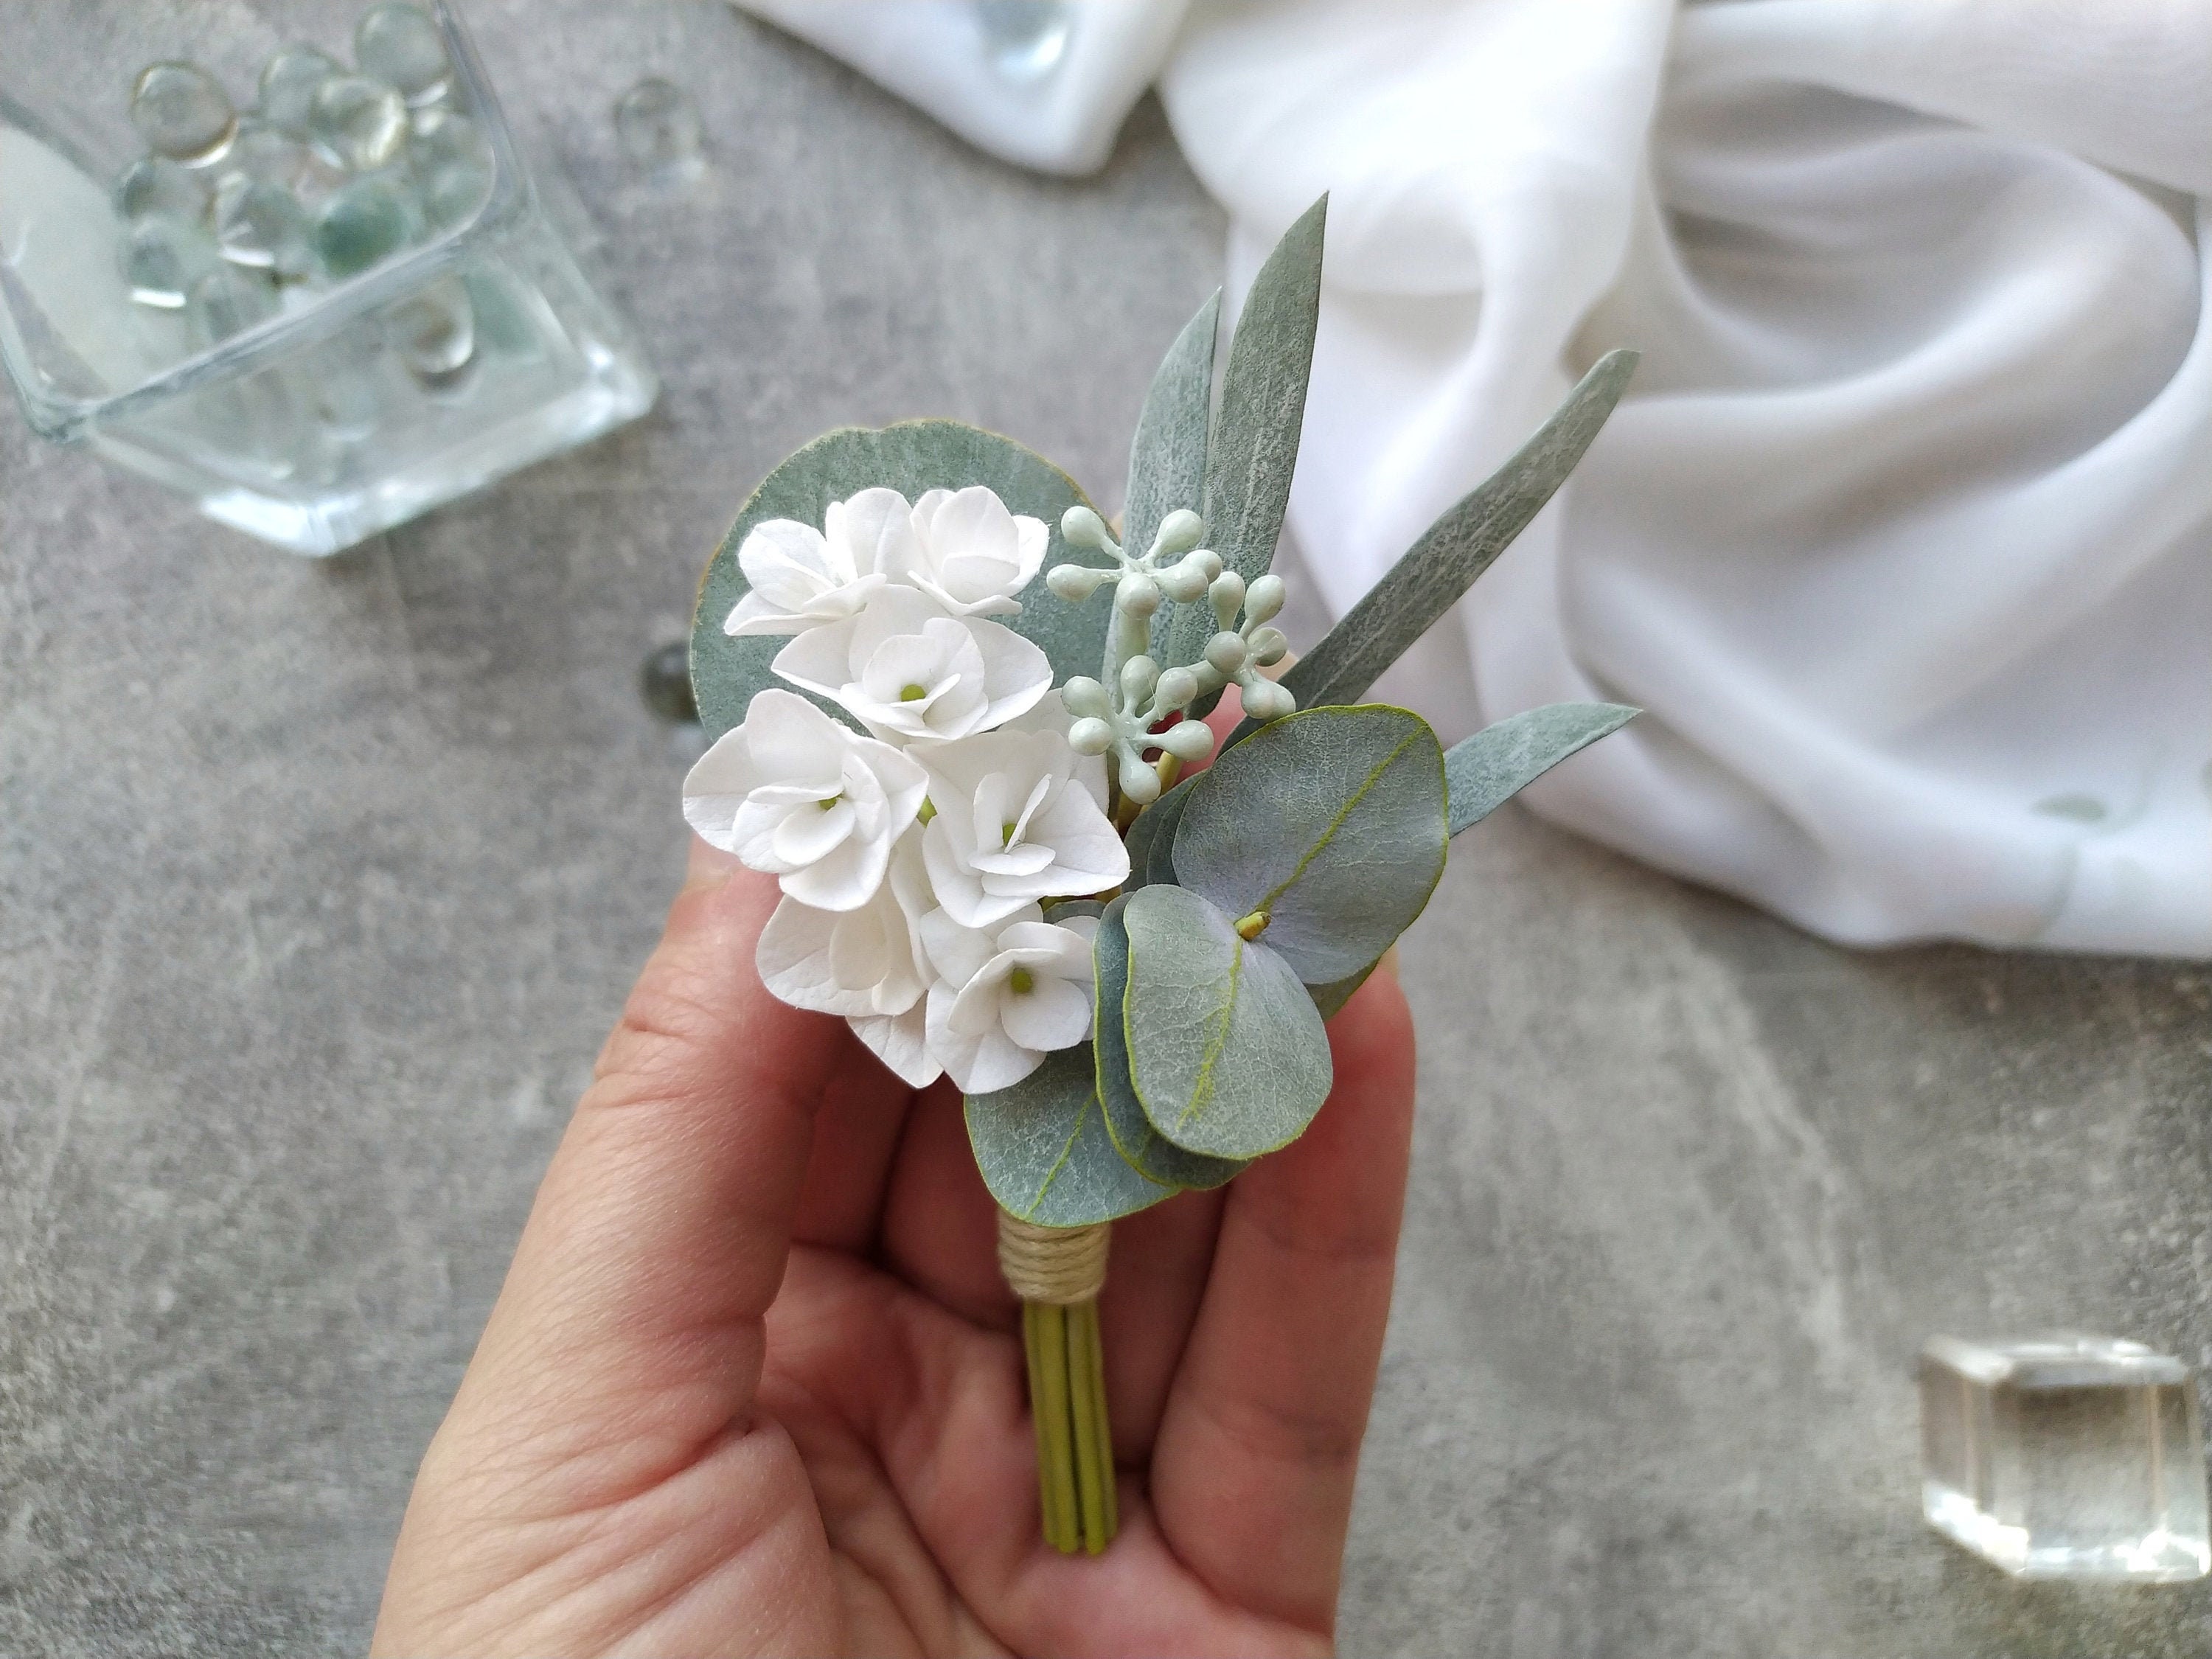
<point>950,710</point>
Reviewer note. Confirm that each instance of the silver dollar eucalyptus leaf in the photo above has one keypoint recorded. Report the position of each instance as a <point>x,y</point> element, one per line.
<point>1144,1146</point>
<point>1329,998</point>
<point>1151,838</point>
<point>1044,1152</point>
<point>1443,564</point>
<point>1167,458</point>
<point>1323,833</point>
<point>1226,1050</point>
<point>1487,770</point>
<point>912,457</point>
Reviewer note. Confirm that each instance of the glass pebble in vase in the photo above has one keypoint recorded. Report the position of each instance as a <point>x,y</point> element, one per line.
<point>283,258</point>
<point>2065,1456</point>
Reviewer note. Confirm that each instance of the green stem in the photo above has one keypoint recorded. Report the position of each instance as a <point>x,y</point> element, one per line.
<point>1032,1350</point>
<point>1107,1497</point>
<point>1090,1463</point>
<point>1049,1404</point>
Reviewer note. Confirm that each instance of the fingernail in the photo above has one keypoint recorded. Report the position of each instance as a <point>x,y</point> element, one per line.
<point>708,867</point>
<point>1389,962</point>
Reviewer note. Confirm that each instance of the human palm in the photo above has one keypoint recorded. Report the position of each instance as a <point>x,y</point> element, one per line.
<point>754,1385</point>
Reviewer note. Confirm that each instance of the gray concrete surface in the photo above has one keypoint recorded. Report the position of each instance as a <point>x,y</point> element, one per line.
<point>319,884</point>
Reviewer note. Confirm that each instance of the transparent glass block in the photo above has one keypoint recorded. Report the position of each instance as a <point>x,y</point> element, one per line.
<point>2065,1456</point>
<point>332,413</point>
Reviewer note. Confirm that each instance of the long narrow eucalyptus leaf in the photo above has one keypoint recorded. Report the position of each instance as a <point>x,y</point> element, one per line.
<point>1167,458</point>
<point>1255,446</point>
<point>1484,771</point>
<point>1443,564</point>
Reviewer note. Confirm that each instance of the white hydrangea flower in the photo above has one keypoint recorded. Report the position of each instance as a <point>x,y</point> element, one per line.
<point>793,792</point>
<point>909,672</point>
<point>1019,817</point>
<point>801,577</point>
<point>975,556</point>
<point>866,964</point>
<point>1005,996</point>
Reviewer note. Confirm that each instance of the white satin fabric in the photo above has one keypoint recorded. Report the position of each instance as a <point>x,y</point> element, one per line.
<point>1903,536</point>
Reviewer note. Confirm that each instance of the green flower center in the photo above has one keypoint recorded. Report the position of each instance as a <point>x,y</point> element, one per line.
<point>1021,981</point>
<point>1006,835</point>
<point>913,693</point>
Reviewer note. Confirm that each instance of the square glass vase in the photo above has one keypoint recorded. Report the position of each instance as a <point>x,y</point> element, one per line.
<point>2065,1457</point>
<point>345,405</point>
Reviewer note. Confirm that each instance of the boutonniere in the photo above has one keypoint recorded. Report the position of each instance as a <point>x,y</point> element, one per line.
<point>953,713</point>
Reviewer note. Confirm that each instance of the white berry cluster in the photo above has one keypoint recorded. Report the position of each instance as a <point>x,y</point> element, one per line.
<point>1123,714</point>
<point>916,861</point>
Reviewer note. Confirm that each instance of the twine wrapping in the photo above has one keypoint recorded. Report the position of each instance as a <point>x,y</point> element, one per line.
<point>1059,1266</point>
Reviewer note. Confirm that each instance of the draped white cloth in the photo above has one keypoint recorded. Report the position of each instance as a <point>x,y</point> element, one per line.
<point>1903,536</point>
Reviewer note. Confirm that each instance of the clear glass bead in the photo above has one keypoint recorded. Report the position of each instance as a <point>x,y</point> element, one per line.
<point>507,316</point>
<point>154,184</point>
<point>264,227</point>
<point>161,259</point>
<point>288,81</point>
<point>182,112</point>
<point>665,680</point>
<point>227,301</point>
<point>364,224</point>
<point>270,156</point>
<point>451,161</point>
<point>1024,39</point>
<point>2065,1456</point>
<point>400,46</point>
<point>360,122</point>
<point>432,332</point>
<point>660,130</point>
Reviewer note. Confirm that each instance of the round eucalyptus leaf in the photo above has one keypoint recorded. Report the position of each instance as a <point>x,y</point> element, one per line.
<point>1226,1049</point>
<point>912,457</point>
<point>1142,1144</point>
<point>1044,1152</point>
<point>1328,823</point>
<point>1151,838</point>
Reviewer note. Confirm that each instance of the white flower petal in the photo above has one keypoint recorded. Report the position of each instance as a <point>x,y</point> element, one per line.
<point>873,531</point>
<point>717,786</point>
<point>819,658</point>
<point>1083,840</point>
<point>788,563</point>
<point>1016,672</point>
<point>793,958</point>
<point>845,878</point>
<point>955,952</point>
<point>901,1042</point>
<point>959,888</point>
<point>976,1064</point>
<point>794,793</point>
<point>1054,1014</point>
<point>812,830</point>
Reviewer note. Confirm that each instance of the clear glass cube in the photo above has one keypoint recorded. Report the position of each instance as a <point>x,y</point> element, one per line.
<point>2065,1456</point>
<point>308,396</point>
